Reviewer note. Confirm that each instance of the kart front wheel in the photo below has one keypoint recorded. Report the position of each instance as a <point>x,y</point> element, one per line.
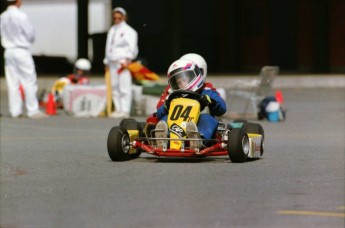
<point>238,145</point>
<point>118,144</point>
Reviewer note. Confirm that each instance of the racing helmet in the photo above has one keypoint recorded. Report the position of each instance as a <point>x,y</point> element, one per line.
<point>185,74</point>
<point>199,60</point>
<point>82,64</point>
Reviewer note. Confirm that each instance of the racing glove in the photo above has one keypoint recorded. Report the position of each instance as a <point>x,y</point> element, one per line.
<point>205,100</point>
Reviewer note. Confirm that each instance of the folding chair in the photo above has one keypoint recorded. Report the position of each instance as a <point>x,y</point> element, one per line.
<point>254,90</point>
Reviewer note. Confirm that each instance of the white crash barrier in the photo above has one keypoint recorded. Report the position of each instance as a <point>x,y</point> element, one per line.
<point>90,101</point>
<point>84,100</point>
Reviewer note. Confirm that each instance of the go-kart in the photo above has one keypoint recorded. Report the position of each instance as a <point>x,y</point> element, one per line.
<point>239,139</point>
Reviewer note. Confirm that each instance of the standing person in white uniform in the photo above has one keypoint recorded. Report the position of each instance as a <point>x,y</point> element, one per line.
<point>17,35</point>
<point>121,48</point>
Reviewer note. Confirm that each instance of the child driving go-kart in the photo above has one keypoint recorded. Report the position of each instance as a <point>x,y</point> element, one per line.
<point>187,124</point>
<point>185,75</point>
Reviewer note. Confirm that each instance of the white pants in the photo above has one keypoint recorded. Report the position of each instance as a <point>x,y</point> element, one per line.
<point>20,69</point>
<point>122,87</point>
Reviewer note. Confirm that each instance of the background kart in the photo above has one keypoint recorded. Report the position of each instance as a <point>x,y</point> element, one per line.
<point>239,139</point>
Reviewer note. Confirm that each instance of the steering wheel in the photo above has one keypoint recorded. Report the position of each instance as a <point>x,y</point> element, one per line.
<point>185,94</point>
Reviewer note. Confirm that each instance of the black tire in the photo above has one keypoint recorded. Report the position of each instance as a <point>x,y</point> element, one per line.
<point>238,145</point>
<point>118,144</point>
<point>129,124</point>
<point>256,129</point>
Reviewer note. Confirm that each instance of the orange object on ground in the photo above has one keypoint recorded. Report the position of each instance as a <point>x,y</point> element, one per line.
<point>51,105</point>
<point>279,97</point>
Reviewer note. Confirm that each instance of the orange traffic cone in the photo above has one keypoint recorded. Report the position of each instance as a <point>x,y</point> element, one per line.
<point>51,105</point>
<point>279,97</point>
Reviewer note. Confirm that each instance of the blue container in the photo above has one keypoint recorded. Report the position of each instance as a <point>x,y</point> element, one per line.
<point>273,116</point>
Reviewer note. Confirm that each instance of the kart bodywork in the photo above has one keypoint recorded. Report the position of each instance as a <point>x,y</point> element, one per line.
<point>239,139</point>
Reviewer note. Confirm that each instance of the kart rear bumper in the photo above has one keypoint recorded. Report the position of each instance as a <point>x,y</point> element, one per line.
<point>215,150</point>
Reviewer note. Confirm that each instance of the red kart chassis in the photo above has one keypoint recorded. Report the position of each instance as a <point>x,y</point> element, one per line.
<point>218,149</point>
<point>239,140</point>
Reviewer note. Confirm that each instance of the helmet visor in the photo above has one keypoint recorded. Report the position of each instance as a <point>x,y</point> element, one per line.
<point>181,80</point>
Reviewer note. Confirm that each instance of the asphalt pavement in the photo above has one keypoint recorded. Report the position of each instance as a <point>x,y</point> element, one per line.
<point>56,172</point>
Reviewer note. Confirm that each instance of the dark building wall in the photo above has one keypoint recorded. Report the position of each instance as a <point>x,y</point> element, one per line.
<point>282,38</point>
<point>242,35</point>
<point>254,34</point>
<point>305,31</point>
<point>337,36</point>
<point>153,21</point>
<point>234,35</point>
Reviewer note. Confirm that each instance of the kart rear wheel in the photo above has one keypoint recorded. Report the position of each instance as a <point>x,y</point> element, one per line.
<point>129,124</point>
<point>118,144</point>
<point>256,129</point>
<point>238,145</point>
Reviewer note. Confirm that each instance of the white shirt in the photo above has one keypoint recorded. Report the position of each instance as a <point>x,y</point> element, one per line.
<point>16,30</point>
<point>122,43</point>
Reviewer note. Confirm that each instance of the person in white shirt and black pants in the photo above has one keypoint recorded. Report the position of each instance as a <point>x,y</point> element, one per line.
<point>17,35</point>
<point>121,48</point>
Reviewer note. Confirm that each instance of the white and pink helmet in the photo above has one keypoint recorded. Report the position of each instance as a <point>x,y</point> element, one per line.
<point>187,70</point>
<point>199,60</point>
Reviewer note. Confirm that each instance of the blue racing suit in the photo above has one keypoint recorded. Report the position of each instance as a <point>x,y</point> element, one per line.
<point>207,124</point>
